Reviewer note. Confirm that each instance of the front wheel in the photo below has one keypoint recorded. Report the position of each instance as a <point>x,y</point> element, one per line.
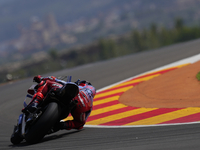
<point>38,130</point>
<point>15,137</point>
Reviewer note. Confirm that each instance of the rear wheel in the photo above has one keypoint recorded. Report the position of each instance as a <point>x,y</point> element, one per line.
<point>38,130</point>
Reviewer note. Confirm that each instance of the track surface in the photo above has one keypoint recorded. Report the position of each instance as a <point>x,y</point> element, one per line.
<point>102,74</point>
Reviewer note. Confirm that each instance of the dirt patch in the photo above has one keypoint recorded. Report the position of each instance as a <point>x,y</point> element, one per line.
<point>175,89</point>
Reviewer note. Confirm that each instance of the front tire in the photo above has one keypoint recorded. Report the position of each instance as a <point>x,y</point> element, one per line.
<point>15,137</point>
<point>37,131</point>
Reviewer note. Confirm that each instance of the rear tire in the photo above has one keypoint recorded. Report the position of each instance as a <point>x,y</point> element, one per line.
<point>37,131</point>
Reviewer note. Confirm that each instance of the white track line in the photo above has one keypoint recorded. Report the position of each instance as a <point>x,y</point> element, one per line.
<point>191,59</point>
<point>139,126</point>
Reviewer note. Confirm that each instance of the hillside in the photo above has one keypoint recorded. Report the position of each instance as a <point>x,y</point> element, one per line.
<point>113,16</point>
<point>31,30</point>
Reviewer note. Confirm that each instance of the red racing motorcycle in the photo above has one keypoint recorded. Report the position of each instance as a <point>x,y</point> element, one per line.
<point>56,106</point>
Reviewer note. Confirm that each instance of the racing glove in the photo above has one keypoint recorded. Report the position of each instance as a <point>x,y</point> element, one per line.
<point>37,78</point>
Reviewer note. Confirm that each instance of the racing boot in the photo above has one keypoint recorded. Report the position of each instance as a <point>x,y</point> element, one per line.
<point>59,126</point>
<point>67,125</point>
<point>62,125</point>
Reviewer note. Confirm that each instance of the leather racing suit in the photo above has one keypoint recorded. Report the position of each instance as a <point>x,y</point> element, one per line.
<point>84,100</point>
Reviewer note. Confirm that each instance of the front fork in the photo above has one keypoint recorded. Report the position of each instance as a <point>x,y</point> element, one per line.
<point>22,124</point>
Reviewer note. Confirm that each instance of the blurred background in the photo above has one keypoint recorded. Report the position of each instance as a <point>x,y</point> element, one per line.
<point>37,36</point>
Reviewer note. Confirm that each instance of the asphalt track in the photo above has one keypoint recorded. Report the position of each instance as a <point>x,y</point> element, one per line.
<point>102,74</point>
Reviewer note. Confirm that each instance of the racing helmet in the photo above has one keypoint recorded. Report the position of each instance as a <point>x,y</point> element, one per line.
<point>87,85</point>
<point>92,89</point>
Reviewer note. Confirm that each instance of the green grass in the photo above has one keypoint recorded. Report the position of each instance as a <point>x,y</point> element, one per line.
<point>198,76</point>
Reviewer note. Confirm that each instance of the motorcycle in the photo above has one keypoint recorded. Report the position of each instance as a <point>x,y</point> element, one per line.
<point>56,106</point>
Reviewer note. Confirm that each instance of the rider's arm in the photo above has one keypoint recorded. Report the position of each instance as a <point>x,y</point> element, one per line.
<point>60,81</point>
<point>52,78</point>
<point>39,78</point>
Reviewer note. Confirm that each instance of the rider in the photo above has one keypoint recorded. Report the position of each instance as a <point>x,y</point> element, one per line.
<point>83,100</point>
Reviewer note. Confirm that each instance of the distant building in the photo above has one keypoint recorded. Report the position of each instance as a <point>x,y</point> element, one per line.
<point>42,35</point>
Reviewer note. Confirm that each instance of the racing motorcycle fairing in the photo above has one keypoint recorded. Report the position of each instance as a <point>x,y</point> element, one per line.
<point>56,106</point>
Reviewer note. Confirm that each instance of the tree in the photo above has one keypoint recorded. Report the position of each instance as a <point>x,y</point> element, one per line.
<point>137,40</point>
<point>179,23</point>
<point>107,49</point>
<point>53,53</point>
